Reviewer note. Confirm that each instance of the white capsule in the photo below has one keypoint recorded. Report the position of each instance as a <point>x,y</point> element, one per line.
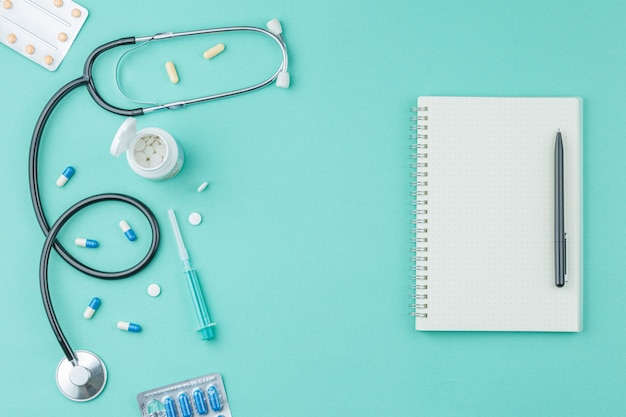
<point>203,186</point>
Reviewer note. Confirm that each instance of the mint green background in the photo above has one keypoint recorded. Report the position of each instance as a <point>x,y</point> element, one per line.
<point>303,251</point>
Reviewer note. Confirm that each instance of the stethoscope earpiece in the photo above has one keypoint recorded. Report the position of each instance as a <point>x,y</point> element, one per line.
<point>84,380</point>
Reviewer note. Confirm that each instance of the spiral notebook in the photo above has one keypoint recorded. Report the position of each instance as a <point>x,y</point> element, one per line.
<point>483,227</point>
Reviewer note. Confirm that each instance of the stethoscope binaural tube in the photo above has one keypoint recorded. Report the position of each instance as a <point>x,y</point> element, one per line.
<point>81,375</point>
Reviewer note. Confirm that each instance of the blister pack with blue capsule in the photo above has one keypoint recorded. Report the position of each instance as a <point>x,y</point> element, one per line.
<point>201,396</point>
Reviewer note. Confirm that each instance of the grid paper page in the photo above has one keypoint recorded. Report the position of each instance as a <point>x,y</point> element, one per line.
<point>490,214</point>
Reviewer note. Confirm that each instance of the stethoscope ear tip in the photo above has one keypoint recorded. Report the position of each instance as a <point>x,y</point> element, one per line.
<point>275,27</point>
<point>83,381</point>
<point>283,80</point>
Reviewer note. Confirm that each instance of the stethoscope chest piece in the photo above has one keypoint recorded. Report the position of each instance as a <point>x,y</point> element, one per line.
<point>83,381</point>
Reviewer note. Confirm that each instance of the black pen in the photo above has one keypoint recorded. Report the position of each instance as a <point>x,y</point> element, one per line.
<point>560,267</point>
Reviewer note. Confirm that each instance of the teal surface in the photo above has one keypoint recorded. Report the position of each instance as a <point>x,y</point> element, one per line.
<point>303,250</point>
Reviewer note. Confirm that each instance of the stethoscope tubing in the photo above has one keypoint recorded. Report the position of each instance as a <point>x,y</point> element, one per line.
<point>51,232</point>
<point>51,242</point>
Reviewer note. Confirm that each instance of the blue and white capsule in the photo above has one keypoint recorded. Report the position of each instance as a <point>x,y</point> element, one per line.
<point>128,327</point>
<point>91,308</point>
<point>86,243</point>
<point>65,176</point>
<point>128,231</point>
<point>214,398</point>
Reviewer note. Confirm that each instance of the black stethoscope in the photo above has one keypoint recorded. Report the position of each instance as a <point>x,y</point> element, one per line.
<point>81,375</point>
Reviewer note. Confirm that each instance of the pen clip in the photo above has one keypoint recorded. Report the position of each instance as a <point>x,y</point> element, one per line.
<point>565,256</point>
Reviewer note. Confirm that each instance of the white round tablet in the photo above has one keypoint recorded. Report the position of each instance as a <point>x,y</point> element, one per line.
<point>195,218</point>
<point>154,290</point>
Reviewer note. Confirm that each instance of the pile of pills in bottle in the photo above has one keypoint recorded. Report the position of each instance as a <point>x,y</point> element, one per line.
<point>150,151</point>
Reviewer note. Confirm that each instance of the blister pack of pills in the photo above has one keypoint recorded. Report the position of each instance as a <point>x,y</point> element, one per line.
<point>41,30</point>
<point>201,396</point>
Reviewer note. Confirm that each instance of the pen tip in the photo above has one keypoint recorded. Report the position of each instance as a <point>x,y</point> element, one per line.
<point>558,131</point>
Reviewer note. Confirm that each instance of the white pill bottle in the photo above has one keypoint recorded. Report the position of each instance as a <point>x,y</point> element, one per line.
<point>151,152</point>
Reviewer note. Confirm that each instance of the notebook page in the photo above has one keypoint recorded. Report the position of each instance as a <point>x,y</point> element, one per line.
<point>491,214</point>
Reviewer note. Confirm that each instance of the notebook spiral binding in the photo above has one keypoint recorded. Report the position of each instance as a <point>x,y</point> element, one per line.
<point>419,201</point>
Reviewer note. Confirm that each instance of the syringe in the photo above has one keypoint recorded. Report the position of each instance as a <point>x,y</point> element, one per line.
<point>202,313</point>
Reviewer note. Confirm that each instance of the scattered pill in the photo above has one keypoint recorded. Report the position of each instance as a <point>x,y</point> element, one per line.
<point>171,72</point>
<point>130,234</point>
<point>48,60</point>
<point>128,327</point>
<point>198,399</point>
<point>62,36</point>
<point>7,4</point>
<point>65,176</point>
<point>76,13</point>
<point>185,405</point>
<point>195,218</point>
<point>170,407</point>
<point>214,50</point>
<point>154,290</point>
<point>29,49</point>
<point>214,398</point>
<point>86,243</point>
<point>11,38</point>
<point>91,308</point>
<point>203,186</point>
<point>58,3</point>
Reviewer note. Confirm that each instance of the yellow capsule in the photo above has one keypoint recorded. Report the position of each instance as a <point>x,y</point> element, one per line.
<point>171,72</point>
<point>215,50</point>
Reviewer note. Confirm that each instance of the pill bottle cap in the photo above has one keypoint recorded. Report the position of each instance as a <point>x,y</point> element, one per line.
<point>124,136</point>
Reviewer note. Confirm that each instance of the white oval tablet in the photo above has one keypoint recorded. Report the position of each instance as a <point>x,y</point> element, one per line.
<point>203,186</point>
<point>154,290</point>
<point>195,218</point>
